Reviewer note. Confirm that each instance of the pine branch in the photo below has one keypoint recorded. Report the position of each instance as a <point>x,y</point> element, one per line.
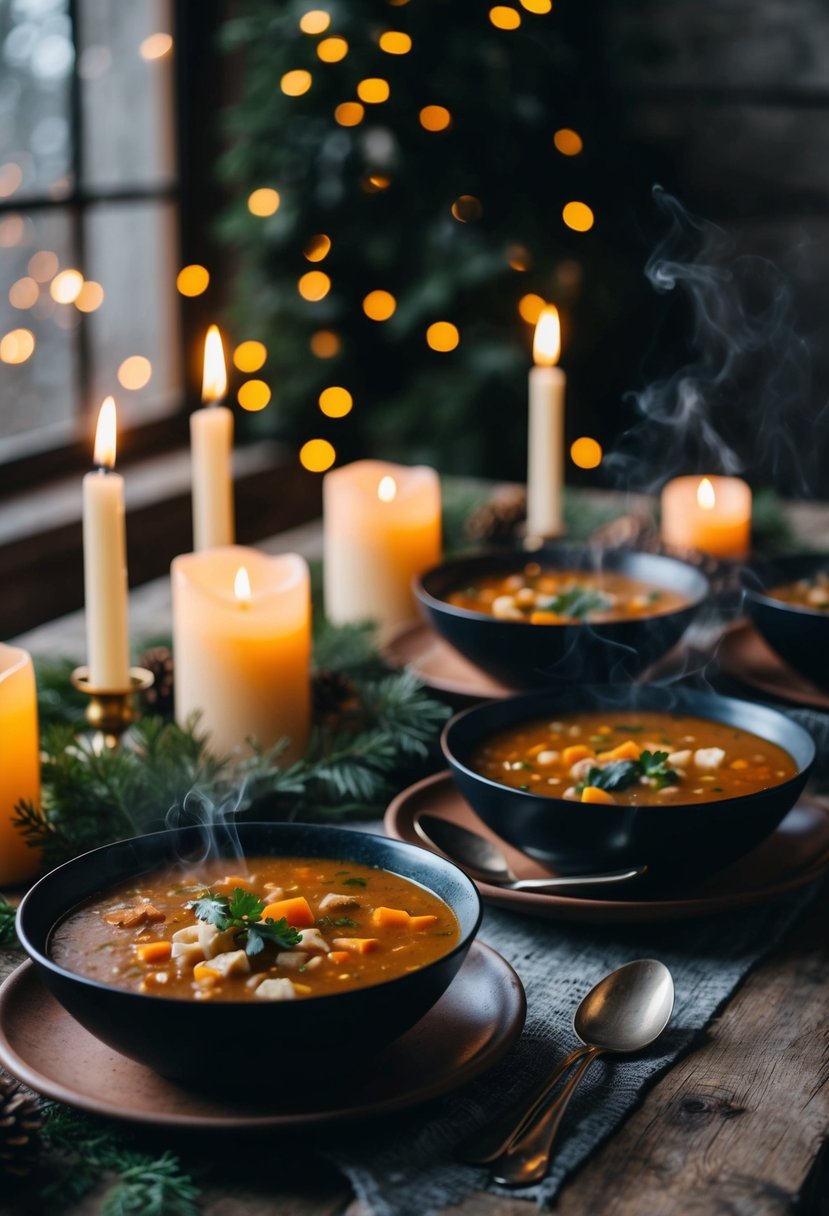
<point>8,933</point>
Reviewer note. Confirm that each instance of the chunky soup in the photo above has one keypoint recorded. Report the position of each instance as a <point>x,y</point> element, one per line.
<point>805,592</point>
<point>639,759</point>
<point>280,929</point>
<point>564,597</point>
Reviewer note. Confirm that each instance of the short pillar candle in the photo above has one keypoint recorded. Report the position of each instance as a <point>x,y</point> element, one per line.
<point>711,514</point>
<point>19,761</point>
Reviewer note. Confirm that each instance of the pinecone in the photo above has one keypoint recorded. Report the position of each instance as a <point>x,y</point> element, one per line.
<point>498,519</point>
<point>331,692</point>
<point>20,1124</point>
<point>158,698</point>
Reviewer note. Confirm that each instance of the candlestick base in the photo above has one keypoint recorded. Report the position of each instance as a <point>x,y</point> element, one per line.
<point>532,541</point>
<point>111,711</point>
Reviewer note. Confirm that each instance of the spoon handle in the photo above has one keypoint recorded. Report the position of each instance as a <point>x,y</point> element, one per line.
<point>528,1157</point>
<point>575,880</point>
<point>496,1137</point>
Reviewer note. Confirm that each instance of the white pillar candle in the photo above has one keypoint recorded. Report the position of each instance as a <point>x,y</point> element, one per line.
<point>19,761</point>
<point>381,527</point>
<point>545,450</point>
<point>242,647</point>
<point>211,445</point>
<point>711,514</point>
<point>105,562</point>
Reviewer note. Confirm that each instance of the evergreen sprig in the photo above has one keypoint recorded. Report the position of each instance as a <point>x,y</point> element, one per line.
<point>8,934</point>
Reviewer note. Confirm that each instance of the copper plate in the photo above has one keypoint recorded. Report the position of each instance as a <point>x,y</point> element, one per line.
<point>794,855</point>
<point>476,1021</point>
<point>439,666</point>
<point>746,656</point>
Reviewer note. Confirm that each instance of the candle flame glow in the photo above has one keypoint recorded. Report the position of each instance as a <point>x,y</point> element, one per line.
<point>241,586</point>
<point>706,497</point>
<point>387,489</point>
<point>105,435</point>
<point>547,340</point>
<point>214,381</point>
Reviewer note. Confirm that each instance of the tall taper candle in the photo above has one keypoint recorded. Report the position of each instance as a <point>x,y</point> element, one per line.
<point>545,455</point>
<point>211,444</point>
<point>105,562</point>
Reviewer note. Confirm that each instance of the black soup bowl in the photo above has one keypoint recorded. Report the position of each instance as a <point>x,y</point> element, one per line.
<point>521,654</point>
<point>681,840</point>
<point>229,1044</point>
<point>800,635</point>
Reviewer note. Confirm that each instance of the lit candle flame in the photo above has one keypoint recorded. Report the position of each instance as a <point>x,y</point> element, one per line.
<point>706,498</point>
<point>241,587</point>
<point>547,340</point>
<point>105,435</point>
<point>214,381</point>
<point>387,489</point>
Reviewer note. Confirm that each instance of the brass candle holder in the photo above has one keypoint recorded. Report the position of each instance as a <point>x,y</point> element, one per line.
<point>111,711</point>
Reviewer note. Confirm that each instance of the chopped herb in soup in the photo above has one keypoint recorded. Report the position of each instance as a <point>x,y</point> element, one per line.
<point>640,759</point>
<point>561,597</point>
<point>805,592</point>
<point>280,929</point>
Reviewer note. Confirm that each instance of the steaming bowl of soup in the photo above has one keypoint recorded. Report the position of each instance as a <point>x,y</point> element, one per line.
<point>788,601</point>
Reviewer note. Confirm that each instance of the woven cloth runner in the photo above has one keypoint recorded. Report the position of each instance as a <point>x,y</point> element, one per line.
<point>404,1166</point>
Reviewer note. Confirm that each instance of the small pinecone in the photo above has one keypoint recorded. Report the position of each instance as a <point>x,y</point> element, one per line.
<point>20,1124</point>
<point>628,532</point>
<point>498,519</point>
<point>331,692</point>
<point>159,696</point>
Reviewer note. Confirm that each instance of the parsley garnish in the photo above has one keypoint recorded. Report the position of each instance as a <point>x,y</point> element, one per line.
<point>338,922</point>
<point>622,774</point>
<point>354,882</point>
<point>243,912</point>
<point>576,602</point>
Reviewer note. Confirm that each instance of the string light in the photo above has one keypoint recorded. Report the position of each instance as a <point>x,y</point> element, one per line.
<point>17,346</point>
<point>332,50</point>
<point>435,118</point>
<point>250,356</point>
<point>253,395</point>
<point>395,43</point>
<point>379,305</point>
<point>336,401</point>
<point>317,455</point>
<point>192,280</point>
<point>23,293</point>
<point>349,113</point>
<point>537,6</point>
<point>314,285</point>
<point>586,453</point>
<point>519,257</point>
<point>316,21</point>
<point>373,90</point>
<point>317,247</point>
<point>375,183</point>
<point>66,286</point>
<point>577,216</point>
<point>91,296</point>
<point>295,83</point>
<point>530,307</point>
<point>156,46</point>
<point>442,336</point>
<point>135,372</point>
<point>467,208</point>
<point>568,142</point>
<point>264,201</point>
<point>325,344</point>
<point>505,18</point>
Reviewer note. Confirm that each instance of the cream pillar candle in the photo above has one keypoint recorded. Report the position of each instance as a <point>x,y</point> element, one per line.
<point>105,562</point>
<point>711,514</point>
<point>381,525</point>
<point>242,646</point>
<point>211,445</point>
<point>19,761</point>
<point>545,448</point>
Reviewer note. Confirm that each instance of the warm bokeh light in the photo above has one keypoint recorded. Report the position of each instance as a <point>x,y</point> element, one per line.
<point>467,208</point>
<point>349,113</point>
<point>66,286</point>
<point>373,90</point>
<point>505,18</point>
<point>11,178</point>
<point>706,498</point>
<point>332,50</point>
<point>519,257</point>
<point>17,346</point>
<point>12,230</point>
<point>375,183</point>
<point>325,344</point>
<point>106,435</point>
<point>316,21</point>
<point>568,142</point>
<point>530,307</point>
<point>387,489</point>
<point>264,201</point>
<point>379,305</point>
<point>336,401</point>
<point>214,375</point>
<point>577,216</point>
<point>537,6</point>
<point>91,296</point>
<point>156,46</point>
<point>317,247</point>
<point>43,265</point>
<point>317,455</point>
<point>135,372</point>
<point>547,339</point>
<point>250,356</point>
<point>23,293</point>
<point>314,285</point>
<point>241,586</point>
<point>435,118</point>
<point>193,280</point>
<point>294,84</point>
<point>393,42</point>
<point>253,395</point>
<point>586,453</point>
<point>443,336</point>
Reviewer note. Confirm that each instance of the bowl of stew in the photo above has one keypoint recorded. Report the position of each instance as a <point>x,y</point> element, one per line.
<point>311,949</point>
<point>601,778</point>
<point>561,614</point>
<point>788,601</point>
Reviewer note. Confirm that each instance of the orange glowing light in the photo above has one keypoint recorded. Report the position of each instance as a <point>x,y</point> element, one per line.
<point>706,498</point>
<point>317,247</point>
<point>253,395</point>
<point>325,344</point>
<point>537,6</point>
<point>568,142</point>
<point>156,46</point>
<point>379,305</point>
<point>531,307</point>
<point>241,587</point>
<point>294,84</point>
<point>467,208</point>
<point>349,114</point>
<point>264,201</point>
<point>547,340</point>
<point>336,401</point>
<point>578,216</point>
<point>91,296</point>
<point>586,453</point>
<point>443,336</point>
<point>505,18</point>
<point>314,285</point>
<point>193,280</point>
<point>316,21</point>
<point>519,257</point>
<point>135,372</point>
<point>317,455</point>
<point>250,356</point>
<point>393,42</point>
<point>373,90</point>
<point>214,378</point>
<point>17,346</point>
<point>43,265</point>
<point>435,118</point>
<point>375,183</point>
<point>387,489</point>
<point>332,50</point>
<point>66,286</point>
<point>23,293</point>
<point>105,435</point>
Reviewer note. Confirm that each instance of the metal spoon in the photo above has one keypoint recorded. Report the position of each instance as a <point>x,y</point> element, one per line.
<point>482,859</point>
<point>624,1013</point>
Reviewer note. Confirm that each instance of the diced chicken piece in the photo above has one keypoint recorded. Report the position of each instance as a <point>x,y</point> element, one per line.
<point>503,607</point>
<point>570,792</point>
<point>709,758</point>
<point>818,597</point>
<point>670,789</point>
<point>338,901</point>
<point>525,596</point>
<point>273,891</point>
<point>213,942</point>
<point>316,961</point>
<point>547,757</point>
<point>255,980</point>
<point>312,939</point>
<point>292,959</point>
<point>276,990</point>
<point>231,881</point>
<point>188,935</point>
<point>132,918</point>
<point>682,758</point>
<point>232,962</point>
<point>187,954</point>
<point>582,767</point>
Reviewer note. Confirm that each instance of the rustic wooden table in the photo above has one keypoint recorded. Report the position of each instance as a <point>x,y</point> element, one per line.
<point>738,1127</point>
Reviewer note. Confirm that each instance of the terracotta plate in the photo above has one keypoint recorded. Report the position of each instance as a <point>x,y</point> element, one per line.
<point>746,656</point>
<point>791,857</point>
<point>472,1026</point>
<point>439,665</point>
